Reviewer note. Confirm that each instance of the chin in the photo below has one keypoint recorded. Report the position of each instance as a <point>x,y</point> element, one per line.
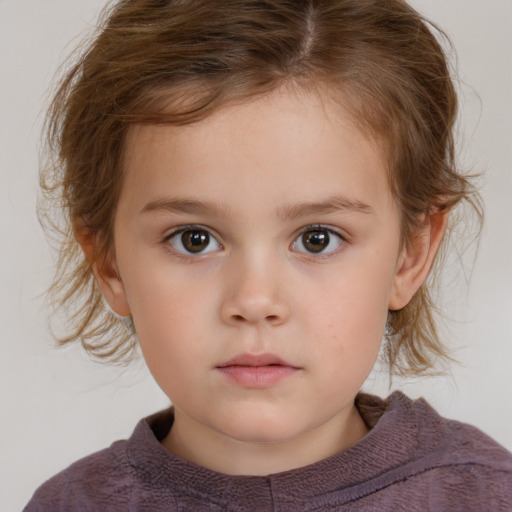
<point>261,430</point>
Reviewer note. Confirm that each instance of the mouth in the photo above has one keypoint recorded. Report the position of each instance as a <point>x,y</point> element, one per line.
<point>257,371</point>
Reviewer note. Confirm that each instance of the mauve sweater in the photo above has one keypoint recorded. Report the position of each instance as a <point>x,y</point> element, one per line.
<point>411,460</point>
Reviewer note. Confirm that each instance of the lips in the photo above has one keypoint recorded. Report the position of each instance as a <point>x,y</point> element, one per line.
<point>257,371</point>
<point>255,360</point>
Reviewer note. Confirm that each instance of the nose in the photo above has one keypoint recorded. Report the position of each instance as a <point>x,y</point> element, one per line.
<point>255,295</point>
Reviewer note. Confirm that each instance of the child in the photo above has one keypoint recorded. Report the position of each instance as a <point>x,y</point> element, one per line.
<point>259,190</point>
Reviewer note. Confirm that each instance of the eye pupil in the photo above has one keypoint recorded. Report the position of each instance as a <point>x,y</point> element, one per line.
<point>195,241</point>
<point>315,241</point>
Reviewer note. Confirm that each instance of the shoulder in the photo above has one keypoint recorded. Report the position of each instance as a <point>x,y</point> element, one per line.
<point>99,481</point>
<point>473,467</point>
<point>459,466</point>
<point>118,478</point>
<point>455,443</point>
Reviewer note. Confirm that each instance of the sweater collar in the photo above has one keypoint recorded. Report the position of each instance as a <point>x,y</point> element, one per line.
<point>388,453</point>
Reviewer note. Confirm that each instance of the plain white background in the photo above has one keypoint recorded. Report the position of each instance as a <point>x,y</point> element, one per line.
<point>57,405</point>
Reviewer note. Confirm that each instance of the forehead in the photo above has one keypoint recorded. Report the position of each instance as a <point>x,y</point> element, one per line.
<point>285,145</point>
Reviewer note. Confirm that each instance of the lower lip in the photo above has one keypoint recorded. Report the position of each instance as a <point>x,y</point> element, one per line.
<point>257,376</point>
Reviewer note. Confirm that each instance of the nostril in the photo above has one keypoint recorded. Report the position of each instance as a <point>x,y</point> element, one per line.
<point>253,309</point>
<point>268,318</point>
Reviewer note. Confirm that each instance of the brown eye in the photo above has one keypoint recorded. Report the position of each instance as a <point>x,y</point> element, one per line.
<point>318,241</point>
<point>315,241</point>
<point>194,241</point>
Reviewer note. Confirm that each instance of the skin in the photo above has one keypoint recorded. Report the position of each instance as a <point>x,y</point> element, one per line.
<point>255,176</point>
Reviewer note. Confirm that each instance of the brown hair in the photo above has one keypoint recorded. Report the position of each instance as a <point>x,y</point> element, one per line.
<point>177,61</point>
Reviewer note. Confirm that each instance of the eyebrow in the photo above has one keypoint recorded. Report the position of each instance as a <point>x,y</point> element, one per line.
<point>181,206</point>
<point>333,204</point>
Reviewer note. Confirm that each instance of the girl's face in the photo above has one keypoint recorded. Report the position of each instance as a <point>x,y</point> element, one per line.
<point>258,252</point>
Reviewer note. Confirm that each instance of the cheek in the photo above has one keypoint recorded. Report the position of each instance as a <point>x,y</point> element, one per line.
<point>173,344</point>
<point>349,314</point>
<point>168,315</point>
<point>349,341</point>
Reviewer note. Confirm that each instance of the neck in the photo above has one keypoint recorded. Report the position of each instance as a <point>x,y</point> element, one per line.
<point>214,450</point>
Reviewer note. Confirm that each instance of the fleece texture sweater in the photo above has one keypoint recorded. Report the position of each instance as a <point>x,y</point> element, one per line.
<point>411,460</point>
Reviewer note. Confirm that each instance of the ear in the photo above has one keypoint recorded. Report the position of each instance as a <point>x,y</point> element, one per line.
<point>105,272</point>
<point>416,260</point>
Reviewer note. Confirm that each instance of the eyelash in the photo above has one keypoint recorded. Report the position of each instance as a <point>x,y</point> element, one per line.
<point>325,229</point>
<point>184,229</point>
<point>298,239</point>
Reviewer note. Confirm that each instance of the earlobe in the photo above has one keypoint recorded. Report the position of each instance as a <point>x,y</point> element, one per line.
<point>417,259</point>
<point>105,272</point>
